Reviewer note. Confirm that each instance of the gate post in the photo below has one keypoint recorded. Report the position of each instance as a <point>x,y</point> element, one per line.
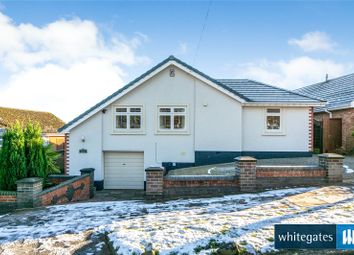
<point>154,181</point>
<point>333,164</point>
<point>248,171</point>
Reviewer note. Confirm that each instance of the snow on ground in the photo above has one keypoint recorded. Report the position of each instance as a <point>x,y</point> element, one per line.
<point>348,170</point>
<point>183,226</point>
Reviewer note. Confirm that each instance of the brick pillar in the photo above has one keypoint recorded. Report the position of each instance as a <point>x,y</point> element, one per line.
<point>154,181</point>
<point>66,153</point>
<point>90,171</point>
<point>28,190</point>
<point>333,164</point>
<point>247,167</point>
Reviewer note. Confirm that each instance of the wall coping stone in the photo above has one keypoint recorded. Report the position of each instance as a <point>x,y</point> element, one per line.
<point>63,184</point>
<point>331,156</point>
<point>245,159</point>
<point>8,193</point>
<point>87,170</point>
<point>29,180</point>
<point>288,166</point>
<point>154,169</point>
<point>200,177</point>
<point>63,176</point>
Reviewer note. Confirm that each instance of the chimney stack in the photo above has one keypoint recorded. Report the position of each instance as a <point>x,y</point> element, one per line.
<point>326,77</point>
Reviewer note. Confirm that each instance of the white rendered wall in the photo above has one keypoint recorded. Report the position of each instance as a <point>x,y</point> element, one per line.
<point>92,132</point>
<point>295,133</point>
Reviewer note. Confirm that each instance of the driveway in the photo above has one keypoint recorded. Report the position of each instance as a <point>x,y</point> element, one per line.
<point>192,226</point>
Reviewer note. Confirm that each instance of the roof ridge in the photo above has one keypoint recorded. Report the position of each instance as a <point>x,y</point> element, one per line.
<point>324,82</point>
<point>25,110</point>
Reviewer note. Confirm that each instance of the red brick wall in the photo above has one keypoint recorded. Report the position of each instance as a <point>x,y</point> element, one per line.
<point>290,172</point>
<point>311,130</point>
<point>66,153</point>
<point>7,198</point>
<point>58,195</point>
<point>199,183</point>
<point>347,117</point>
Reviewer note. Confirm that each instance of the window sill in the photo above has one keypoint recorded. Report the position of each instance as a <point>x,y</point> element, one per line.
<point>169,132</point>
<point>128,133</point>
<point>273,133</point>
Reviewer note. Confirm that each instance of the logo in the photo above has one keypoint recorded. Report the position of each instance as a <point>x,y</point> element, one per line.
<point>345,236</point>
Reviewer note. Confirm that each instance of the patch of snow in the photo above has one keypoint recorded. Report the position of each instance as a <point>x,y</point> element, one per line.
<point>348,170</point>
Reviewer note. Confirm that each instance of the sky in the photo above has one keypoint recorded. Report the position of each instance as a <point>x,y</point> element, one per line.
<point>66,56</point>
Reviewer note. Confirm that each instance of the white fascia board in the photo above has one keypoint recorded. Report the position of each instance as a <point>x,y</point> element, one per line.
<point>285,104</point>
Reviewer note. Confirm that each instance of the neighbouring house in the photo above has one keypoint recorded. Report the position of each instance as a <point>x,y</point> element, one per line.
<point>176,116</point>
<point>334,123</point>
<point>48,122</point>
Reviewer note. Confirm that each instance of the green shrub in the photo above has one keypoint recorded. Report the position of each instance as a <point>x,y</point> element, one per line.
<point>12,157</point>
<point>52,156</point>
<point>36,162</point>
<point>23,154</point>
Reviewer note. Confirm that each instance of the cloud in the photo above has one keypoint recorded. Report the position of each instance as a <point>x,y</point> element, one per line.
<point>293,73</point>
<point>314,41</point>
<point>64,67</point>
<point>182,48</point>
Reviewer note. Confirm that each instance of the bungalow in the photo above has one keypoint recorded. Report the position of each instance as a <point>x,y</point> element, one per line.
<point>335,121</point>
<point>176,116</point>
<point>48,122</point>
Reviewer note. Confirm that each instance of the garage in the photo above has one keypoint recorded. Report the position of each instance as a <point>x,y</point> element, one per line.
<point>124,170</point>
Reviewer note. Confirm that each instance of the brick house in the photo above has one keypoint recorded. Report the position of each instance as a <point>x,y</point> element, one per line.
<point>336,119</point>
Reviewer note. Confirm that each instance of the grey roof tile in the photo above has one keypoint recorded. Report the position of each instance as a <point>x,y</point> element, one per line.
<point>259,92</point>
<point>338,92</point>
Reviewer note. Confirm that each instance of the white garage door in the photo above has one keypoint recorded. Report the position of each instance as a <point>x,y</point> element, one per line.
<point>124,170</point>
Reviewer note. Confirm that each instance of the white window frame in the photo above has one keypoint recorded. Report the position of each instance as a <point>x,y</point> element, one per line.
<point>279,131</point>
<point>128,130</point>
<point>172,130</point>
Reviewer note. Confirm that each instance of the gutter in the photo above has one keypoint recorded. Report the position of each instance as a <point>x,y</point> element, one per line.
<point>295,104</point>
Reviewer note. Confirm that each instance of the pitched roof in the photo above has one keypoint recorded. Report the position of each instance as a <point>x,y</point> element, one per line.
<point>237,88</point>
<point>48,121</point>
<point>338,92</point>
<point>259,92</point>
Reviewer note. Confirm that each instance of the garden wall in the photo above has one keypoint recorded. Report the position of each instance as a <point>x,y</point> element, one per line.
<point>200,185</point>
<point>74,189</point>
<point>30,192</point>
<point>7,201</point>
<point>289,176</point>
<point>248,178</point>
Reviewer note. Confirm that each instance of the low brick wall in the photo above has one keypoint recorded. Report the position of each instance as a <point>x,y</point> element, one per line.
<point>289,176</point>
<point>7,196</point>
<point>74,189</point>
<point>7,201</point>
<point>248,178</point>
<point>200,185</point>
<point>59,178</point>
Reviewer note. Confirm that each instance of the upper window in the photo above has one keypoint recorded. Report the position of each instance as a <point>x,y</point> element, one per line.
<point>128,118</point>
<point>273,120</point>
<point>172,118</point>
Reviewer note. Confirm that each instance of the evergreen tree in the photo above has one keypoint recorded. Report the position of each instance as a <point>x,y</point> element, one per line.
<point>36,161</point>
<point>52,156</point>
<point>12,157</point>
